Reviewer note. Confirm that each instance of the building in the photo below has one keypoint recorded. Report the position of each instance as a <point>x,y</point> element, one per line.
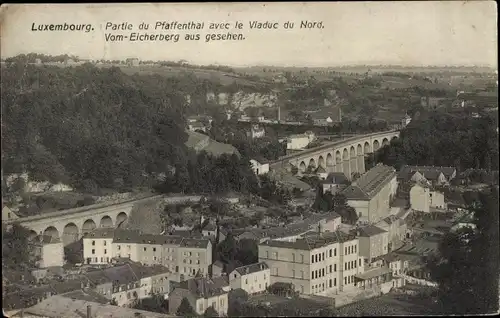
<point>371,194</point>
<point>8,214</point>
<point>185,256</point>
<point>315,263</point>
<point>49,250</point>
<point>253,278</point>
<point>424,199</point>
<point>70,307</point>
<point>373,242</point>
<point>197,126</point>
<point>407,175</point>
<point>397,229</point>
<point>326,116</point>
<point>259,166</point>
<point>201,293</point>
<point>432,102</point>
<point>335,182</point>
<point>405,121</point>
<point>256,132</point>
<point>133,62</point>
<point>298,141</point>
<point>435,175</point>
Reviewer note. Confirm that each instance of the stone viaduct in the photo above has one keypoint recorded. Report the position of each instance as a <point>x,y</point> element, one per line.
<point>347,155</point>
<point>69,225</point>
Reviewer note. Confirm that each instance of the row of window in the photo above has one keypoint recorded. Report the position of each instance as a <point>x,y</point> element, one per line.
<point>351,249</point>
<point>351,264</point>
<point>322,256</point>
<point>349,279</point>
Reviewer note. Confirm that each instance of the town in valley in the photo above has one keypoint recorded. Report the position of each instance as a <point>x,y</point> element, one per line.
<point>139,188</point>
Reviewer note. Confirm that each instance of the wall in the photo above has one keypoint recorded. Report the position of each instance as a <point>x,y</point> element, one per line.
<point>298,143</point>
<point>52,255</point>
<point>219,302</point>
<point>251,283</point>
<point>102,248</point>
<point>436,200</point>
<point>419,198</point>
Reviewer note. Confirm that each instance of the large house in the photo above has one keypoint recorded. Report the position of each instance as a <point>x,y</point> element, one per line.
<point>316,263</point>
<point>299,141</point>
<point>253,278</point>
<point>335,182</point>
<point>424,199</point>
<point>371,194</point>
<point>373,242</point>
<point>435,175</point>
<point>185,256</point>
<point>201,293</point>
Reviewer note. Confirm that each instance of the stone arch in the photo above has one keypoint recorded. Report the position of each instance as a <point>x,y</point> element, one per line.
<point>121,218</point>
<point>312,163</point>
<point>385,142</point>
<point>106,221</point>
<point>367,149</point>
<point>88,226</point>
<point>338,157</point>
<point>329,160</point>
<point>32,235</point>
<point>376,145</point>
<point>302,167</point>
<point>321,162</point>
<point>359,150</point>
<point>345,154</point>
<point>352,152</point>
<point>52,232</point>
<point>70,233</point>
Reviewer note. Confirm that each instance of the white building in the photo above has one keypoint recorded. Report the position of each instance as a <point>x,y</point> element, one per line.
<point>259,167</point>
<point>371,194</point>
<point>253,278</point>
<point>315,263</point>
<point>424,199</point>
<point>256,132</point>
<point>8,214</point>
<point>334,182</point>
<point>184,256</point>
<point>299,141</point>
<point>49,250</point>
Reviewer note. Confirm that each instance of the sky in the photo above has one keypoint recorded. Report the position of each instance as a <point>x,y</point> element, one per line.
<point>354,33</point>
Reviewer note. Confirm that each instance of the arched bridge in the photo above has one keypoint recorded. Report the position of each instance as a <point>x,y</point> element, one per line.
<point>69,225</point>
<point>347,155</point>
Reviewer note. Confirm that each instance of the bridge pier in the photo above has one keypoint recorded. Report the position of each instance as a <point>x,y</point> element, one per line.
<point>361,163</point>
<point>347,168</point>
<point>353,163</point>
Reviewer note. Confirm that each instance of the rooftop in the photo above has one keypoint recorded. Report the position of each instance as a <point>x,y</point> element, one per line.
<point>370,230</point>
<point>59,306</point>
<point>252,268</point>
<point>430,172</point>
<point>336,178</point>
<point>370,183</point>
<point>202,287</point>
<point>311,241</point>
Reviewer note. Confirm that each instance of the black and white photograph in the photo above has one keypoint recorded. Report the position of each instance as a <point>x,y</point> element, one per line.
<point>250,159</point>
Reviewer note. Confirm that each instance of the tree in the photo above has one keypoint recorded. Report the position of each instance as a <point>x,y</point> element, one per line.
<point>185,308</point>
<point>466,268</point>
<point>211,312</point>
<point>17,250</point>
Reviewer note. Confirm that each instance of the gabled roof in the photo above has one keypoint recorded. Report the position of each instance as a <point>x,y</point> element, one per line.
<point>370,230</point>
<point>370,183</point>
<point>336,178</point>
<point>430,172</point>
<point>312,240</point>
<point>252,268</point>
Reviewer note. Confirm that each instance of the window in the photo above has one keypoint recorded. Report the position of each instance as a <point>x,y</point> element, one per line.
<point>323,256</point>
<point>335,252</point>
<point>312,259</point>
<point>345,250</point>
<point>145,249</point>
<point>105,251</point>
<point>355,264</point>
<point>330,268</point>
<point>119,247</point>
<point>334,267</point>
<point>330,252</point>
<point>312,275</point>
<point>330,285</point>
<point>335,282</point>
<point>345,280</point>
<point>102,259</point>
<point>302,258</point>
<point>222,301</point>
<point>104,243</point>
<point>197,261</point>
<point>345,266</point>
<point>190,253</point>
<point>355,248</point>
<point>360,262</point>
<point>154,249</point>
<point>198,254</point>
<point>322,272</point>
<point>93,251</point>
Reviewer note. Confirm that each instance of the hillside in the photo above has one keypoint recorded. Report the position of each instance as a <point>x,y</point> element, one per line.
<point>89,127</point>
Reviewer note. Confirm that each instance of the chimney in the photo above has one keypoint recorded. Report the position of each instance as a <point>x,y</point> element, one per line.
<point>89,311</point>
